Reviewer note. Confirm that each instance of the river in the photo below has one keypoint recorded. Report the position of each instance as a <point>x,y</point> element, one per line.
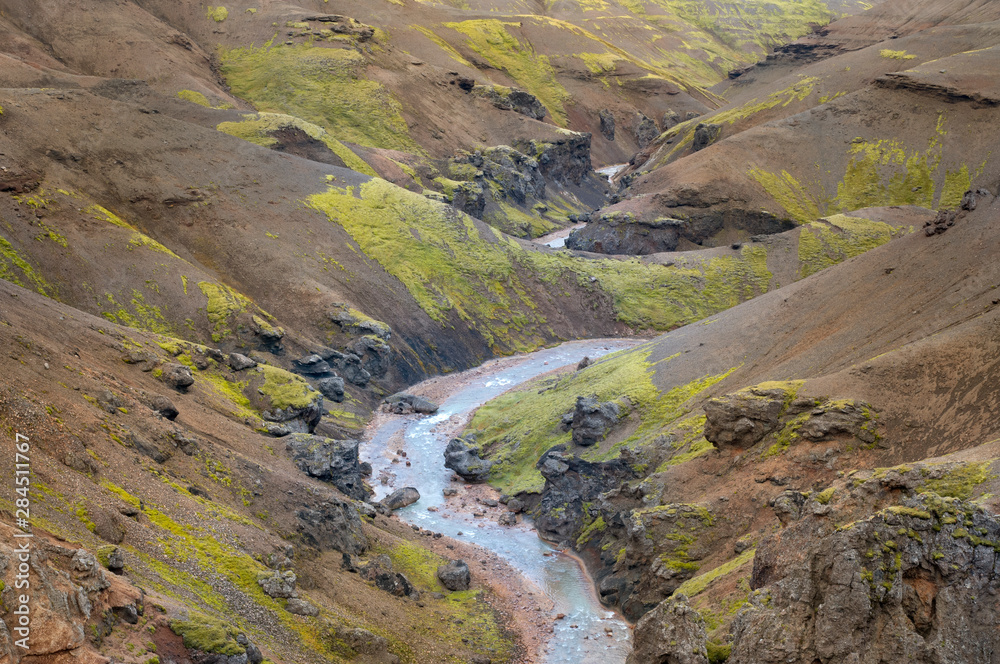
<point>589,633</point>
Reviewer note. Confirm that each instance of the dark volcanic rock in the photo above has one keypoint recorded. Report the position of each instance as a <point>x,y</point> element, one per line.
<point>401,498</point>
<point>455,575</point>
<point>408,403</point>
<point>511,99</point>
<point>312,365</point>
<point>298,420</point>
<point>177,376</point>
<point>607,124</point>
<point>569,483</point>
<point>905,585</point>
<point>334,525</point>
<point>645,130</point>
<point>239,362</point>
<point>462,456</point>
<point>163,406</point>
<point>704,135</point>
<point>334,461</point>
<point>332,388</point>
<point>672,632</point>
<point>670,119</point>
<point>592,420</point>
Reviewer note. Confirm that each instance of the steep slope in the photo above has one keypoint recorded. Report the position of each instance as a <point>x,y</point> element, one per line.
<point>817,134</point>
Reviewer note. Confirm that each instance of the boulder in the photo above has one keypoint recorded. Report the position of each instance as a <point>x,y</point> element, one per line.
<point>592,420</point>
<point>239,362</point>
<point>301,607</point>
<point>401,498</point>
<point>333,461</point>
<point>403,402</point>
<point>366,643</point>
<point>332,388</point>
<point>177,376</point>
<point>743,418</point>
<point>670,119</point>
<point>334,525</point>
<point>163,407</point>
<point>672,632</point>
<point>508,519</point>
<point>463,458</point>
<point>511,99</point>
<point>455,575</point>
<point>704,135</point>
<point>278,584</point>
<point>311,365</point>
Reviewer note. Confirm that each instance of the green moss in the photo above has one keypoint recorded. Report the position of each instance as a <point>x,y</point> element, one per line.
<point>136,313</point>
<point>694,586</point>
<point>910,511</point>
<point>218,14</point>
<point>207,635</point>
<point>445,46</point>
<point>824,497</point>
<point>517,427</point>
<point>895,55</point>
<point>195,98</point>
<point>223,303</point>
<point>956,183</point>
<point>323,86</point>
<point>258,127</point>
<point>533,72</point>
<point>594,527</point>
<point>15,269</point>
<point>718,652</point>
<point>960,482</point>
<point>285,389</point>
<point>81,513</point>
<point>788,193</point>
<point>835,239</point>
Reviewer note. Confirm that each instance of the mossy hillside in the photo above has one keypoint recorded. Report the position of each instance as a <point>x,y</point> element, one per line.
<point>258,127</point>
<point>285,389</point>
<point>880,172</point>
<point>443,45</point>
<point>15,269</point>
<point>456,273</point>
<point>222,305</point>
<point>532,72</point>
<point>207,635</point>
<point>468,621</point>
<point>959,482</point>
<point>695,586</point>
<point>516,428</point>
<point>833,240</point>
<point>324,86</point>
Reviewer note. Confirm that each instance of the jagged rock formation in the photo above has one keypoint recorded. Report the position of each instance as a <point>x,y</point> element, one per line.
<point>334,525</point>
<point>334,461</point>
<point>462,456</point>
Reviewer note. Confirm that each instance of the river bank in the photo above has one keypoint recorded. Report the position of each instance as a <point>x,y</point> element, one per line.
<point>565,623</point>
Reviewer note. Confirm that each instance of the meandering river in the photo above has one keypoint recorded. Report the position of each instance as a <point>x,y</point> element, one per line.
<point>589,633</point>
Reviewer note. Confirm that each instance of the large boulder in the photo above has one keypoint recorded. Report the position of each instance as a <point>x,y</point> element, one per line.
<point>403,402</point>
<point>401,498</point>
<point>333,461</point>
<point>332,388</point>
<point>704,135</point>
<point>177,376</point>
<point>455,575</point>
<point>607,124</point>
<point>645,130</point>
<point>334,525</point>
<point>463,458</point>
<point>511,99</point>
<point>311,365</point>
<point>743,418</point>
<point>672,632</point>
<point>592,420</point>
<point>278,584</point>
<point>238,362</point>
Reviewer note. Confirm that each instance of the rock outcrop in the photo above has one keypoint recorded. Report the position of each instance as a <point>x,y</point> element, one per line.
<point>907,584</point>
<point>333,525</point>
<point>333,461</point>
<point>401,498</point>
<point>402,403</point>
<point>455,575</point>
<point>591,420</point>
<point>671,633</point>
<point>462,456</point>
